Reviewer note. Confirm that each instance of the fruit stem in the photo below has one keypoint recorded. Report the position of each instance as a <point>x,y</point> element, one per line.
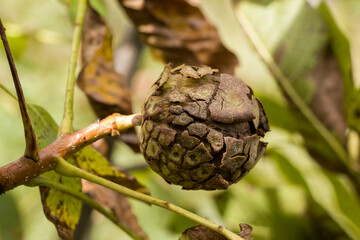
<point>66,169</point>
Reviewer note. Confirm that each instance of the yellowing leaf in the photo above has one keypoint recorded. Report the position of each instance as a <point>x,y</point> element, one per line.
<point>178,32</point>
<point>105,88</point>
<point>92,161</point>
<point>61,209</point>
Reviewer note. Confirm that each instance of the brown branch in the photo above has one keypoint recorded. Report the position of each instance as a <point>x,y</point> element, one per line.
<point>31,150</point>
<point>23,170</point>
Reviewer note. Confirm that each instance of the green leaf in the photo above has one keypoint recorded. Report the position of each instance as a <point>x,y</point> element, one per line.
<point>296,36</point>
<point>346,16</point>
<point>99,7</point>
<point>341,47</point>
<point>92,161</point>
<point>61,209</point>
<point>45,127</point>
<point>11,226</point>
<point>353,110</point>
<point>330,191</point>
<point>278,114</point>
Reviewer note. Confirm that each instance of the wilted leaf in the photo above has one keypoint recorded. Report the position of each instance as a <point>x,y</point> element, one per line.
<point>107,91</point>
<point>246,230</point>
<point>61,209</point>
<point>203,233</point>
<point>178,32</point>
<point>117,203</point>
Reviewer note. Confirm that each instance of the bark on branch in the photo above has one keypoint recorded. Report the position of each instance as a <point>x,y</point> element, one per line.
<point>24,169</point>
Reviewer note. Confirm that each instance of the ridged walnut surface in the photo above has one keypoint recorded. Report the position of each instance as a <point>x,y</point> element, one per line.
<point>202,129</point>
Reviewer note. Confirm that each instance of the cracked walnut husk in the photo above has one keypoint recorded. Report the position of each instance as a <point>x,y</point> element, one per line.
<point>202,129</point>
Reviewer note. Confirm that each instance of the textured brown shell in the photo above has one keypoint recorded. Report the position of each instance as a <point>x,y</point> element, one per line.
<point>201,129</point>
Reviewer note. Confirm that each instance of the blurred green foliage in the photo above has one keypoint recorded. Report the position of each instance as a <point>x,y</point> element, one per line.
<point>288,195</point>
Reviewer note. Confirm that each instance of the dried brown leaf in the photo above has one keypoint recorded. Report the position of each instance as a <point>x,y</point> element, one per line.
<point>203,233</point>
<point>93,35</point>
<point>107,91</point>
<point>178,32</point>
<point>328,99</point>
<point>327,104</point>
<point>118,204</point>
<point>246,230</point>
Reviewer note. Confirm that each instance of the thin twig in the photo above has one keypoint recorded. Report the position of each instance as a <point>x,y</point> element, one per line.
<point>66,124</point>
<point>66,169</point>
<point>40,181</point>
<point>31,150</point>
<point>7,91</point>
<point>285,84</point>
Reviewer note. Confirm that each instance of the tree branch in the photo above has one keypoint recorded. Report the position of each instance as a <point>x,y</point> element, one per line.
<point>23,170</point>
<point>31,150</point>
